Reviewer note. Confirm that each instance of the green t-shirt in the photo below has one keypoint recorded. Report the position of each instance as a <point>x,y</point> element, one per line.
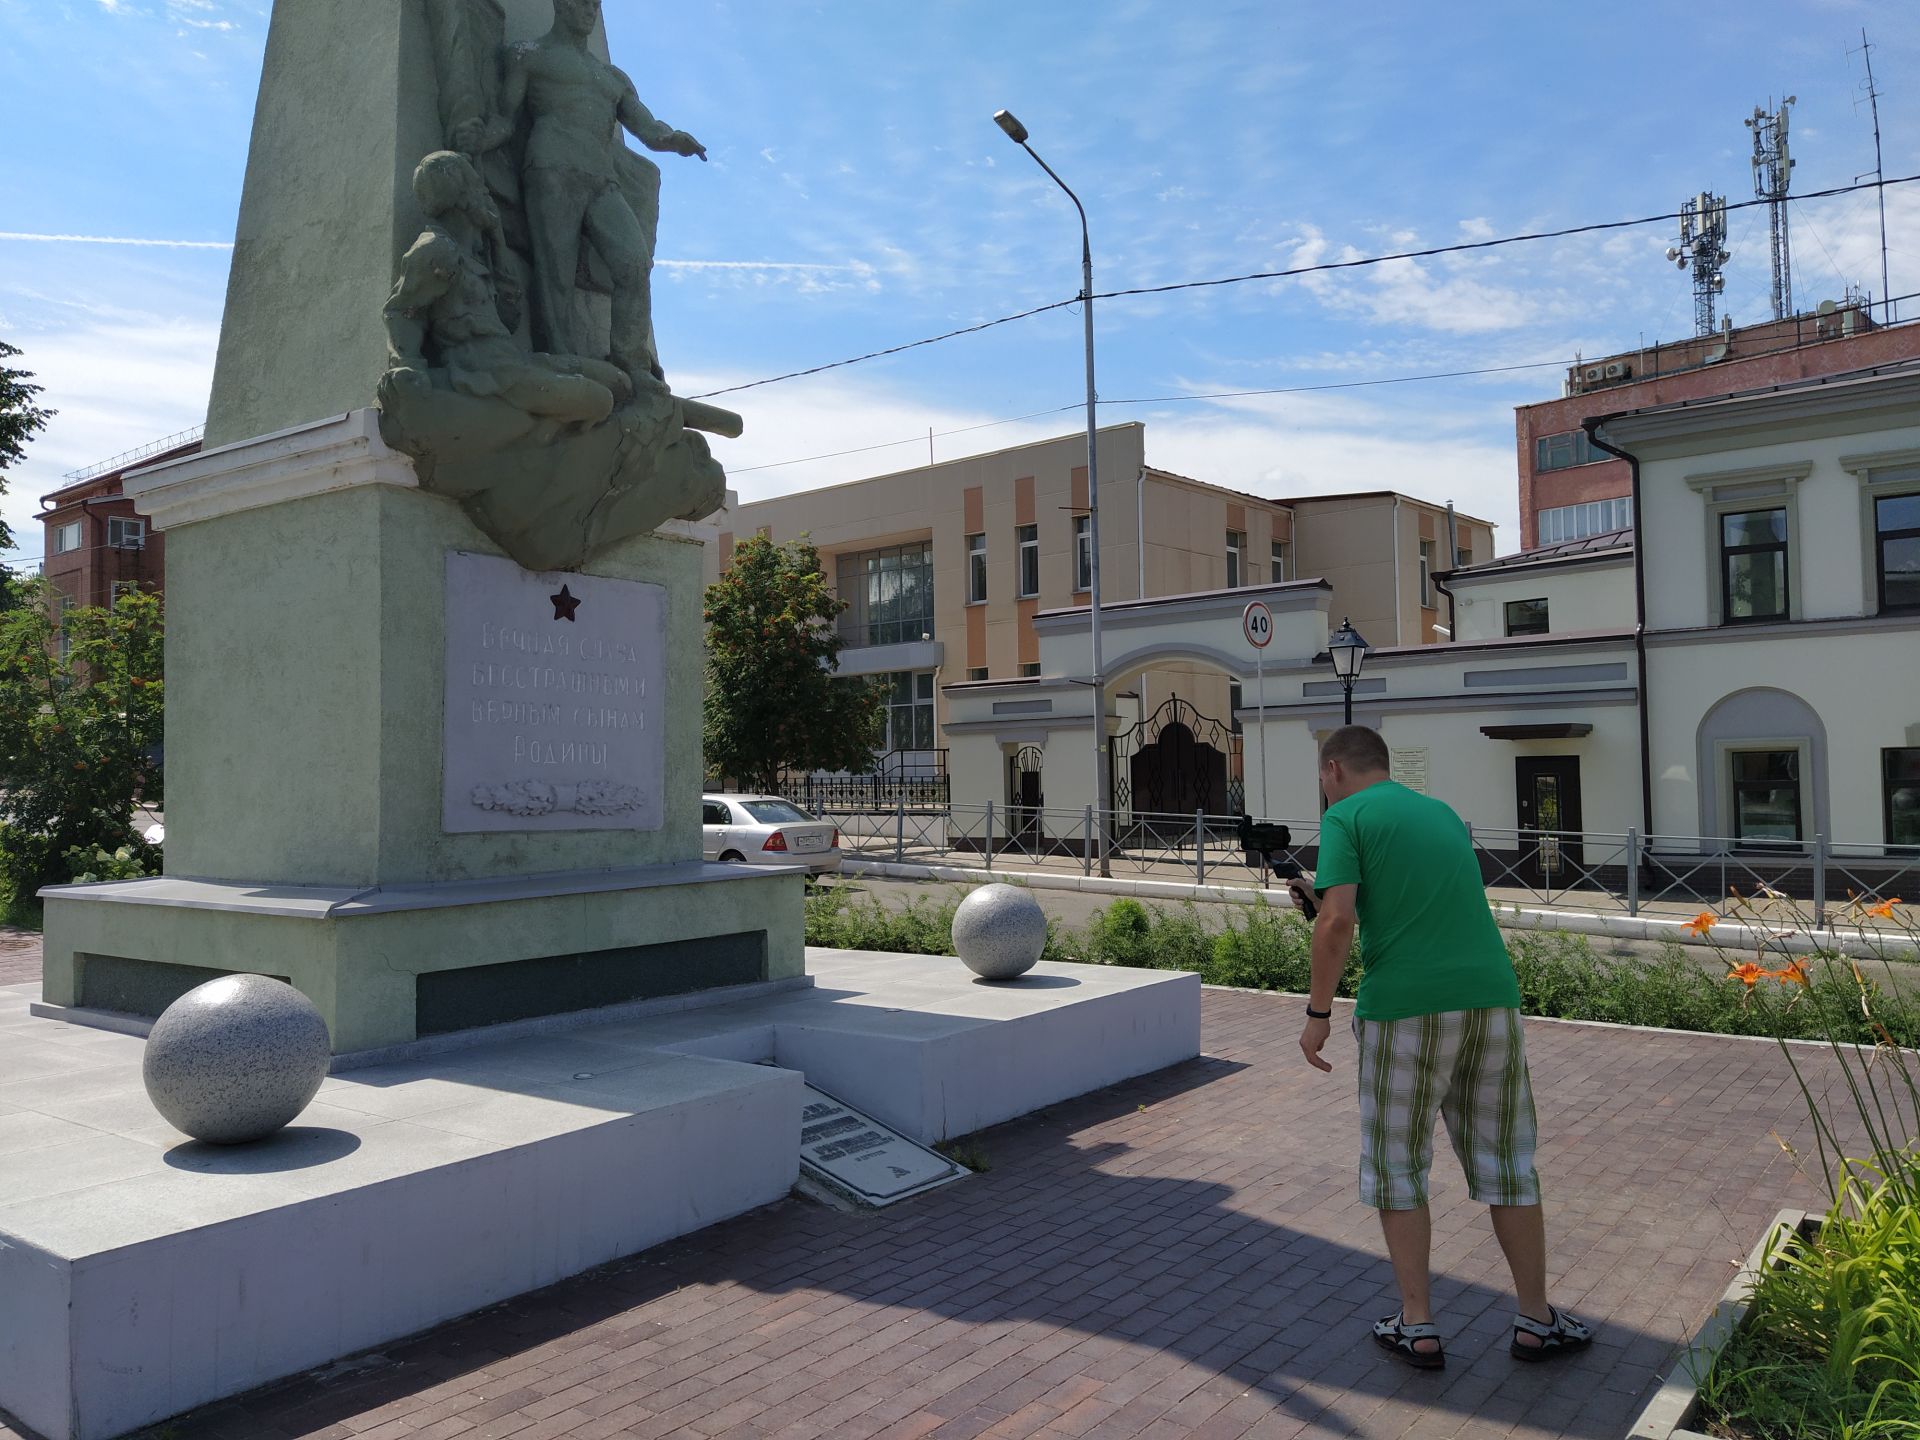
<point>1428,941</point>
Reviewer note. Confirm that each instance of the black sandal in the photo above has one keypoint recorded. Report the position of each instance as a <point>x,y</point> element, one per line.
<point>1393,1334</point>
<point>1565,1336</point>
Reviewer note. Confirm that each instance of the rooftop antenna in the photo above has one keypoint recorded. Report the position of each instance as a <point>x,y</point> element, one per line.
<point>1772,175</point>
<point>1703,248</point>
<point>1879,174</point>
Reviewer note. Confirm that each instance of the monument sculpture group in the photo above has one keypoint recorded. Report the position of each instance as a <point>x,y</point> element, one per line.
<point>455,780</point>
<point>526,379</point>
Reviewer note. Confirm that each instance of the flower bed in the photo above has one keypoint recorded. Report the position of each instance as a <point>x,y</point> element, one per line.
<point>1675,1407</point>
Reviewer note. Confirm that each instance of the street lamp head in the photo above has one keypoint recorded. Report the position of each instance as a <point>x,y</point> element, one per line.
<point>1016,132</point>
<point>1348,650</point>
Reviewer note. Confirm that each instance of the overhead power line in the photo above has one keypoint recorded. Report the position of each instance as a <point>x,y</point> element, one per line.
<point>1322,267</point>
<point>1150,400</point>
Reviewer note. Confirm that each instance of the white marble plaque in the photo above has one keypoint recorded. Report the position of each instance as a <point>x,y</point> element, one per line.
<point>863,1157</point>
<point>554,701</point>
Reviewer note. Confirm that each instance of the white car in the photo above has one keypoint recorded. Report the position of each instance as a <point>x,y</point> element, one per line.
<point>766,830</point>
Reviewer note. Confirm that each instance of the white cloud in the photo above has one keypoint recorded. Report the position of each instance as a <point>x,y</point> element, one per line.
<point>118,383</point>
<point>30,238</point>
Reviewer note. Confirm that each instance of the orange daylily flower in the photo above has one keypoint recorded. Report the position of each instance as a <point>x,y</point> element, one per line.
<point>1884,910</point>
<point>1793,973</point>
<point>1701,923</point>
<point>1748,973</point>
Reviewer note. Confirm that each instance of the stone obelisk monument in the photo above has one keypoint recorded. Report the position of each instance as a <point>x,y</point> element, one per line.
<point>433,667</point>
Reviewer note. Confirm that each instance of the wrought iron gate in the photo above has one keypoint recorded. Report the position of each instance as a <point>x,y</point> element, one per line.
<point>1177,761</point>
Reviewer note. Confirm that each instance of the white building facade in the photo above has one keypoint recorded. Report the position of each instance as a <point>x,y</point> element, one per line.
<point>1738,673</point>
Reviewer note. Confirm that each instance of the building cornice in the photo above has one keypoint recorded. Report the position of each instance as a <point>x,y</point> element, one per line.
<point>1788,473</point>
<point>1285,595</point>
<point>1476,576</point>
<point>1785,630</point>
<point>1800,401</point>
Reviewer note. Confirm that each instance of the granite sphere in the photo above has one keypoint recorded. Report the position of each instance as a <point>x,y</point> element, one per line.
<point>236,1059</point>
<point>999,931</point>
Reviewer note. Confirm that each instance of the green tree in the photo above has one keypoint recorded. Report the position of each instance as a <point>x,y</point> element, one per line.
<point>20,421</point>
<point>772,701</point>
<point>80,734</point>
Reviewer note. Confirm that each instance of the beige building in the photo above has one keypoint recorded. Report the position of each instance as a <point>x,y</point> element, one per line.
<point>946,567</point>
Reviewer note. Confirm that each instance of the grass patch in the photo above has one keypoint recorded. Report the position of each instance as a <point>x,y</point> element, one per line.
<point>967,1152</point>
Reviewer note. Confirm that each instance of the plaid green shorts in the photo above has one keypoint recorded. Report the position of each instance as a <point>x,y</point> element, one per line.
<point>1471,1067</point>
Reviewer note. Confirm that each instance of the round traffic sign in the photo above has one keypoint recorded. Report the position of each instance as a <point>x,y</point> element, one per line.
<point>1256,621</point>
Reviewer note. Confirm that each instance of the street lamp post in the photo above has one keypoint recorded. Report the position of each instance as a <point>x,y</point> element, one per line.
<point>1349,653</point>
<point>1102,778</point>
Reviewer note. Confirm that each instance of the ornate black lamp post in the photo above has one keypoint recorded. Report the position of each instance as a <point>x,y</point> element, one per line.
<point>1349,653</point>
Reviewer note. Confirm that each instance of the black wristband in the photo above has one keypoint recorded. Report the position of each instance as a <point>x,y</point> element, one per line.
<point>1313,1014</point>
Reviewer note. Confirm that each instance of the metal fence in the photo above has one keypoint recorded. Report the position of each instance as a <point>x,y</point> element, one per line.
<point>1630,872</point>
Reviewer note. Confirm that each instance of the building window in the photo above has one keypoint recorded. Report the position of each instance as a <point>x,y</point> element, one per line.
<point>126,534</point>
<point>889,594</point>
<point>66,537</point>
<point>1282,561</point>
<point>1753,565</point>
<point>61,605</point>
<point>1900,787</point>
<point>1236,698</point>
<point>1896,521</point>
<point>1526,617</point>
<point>1576,522</point>
<point>910,710</point>
<point>1427,547</point>
<point>122,587</point>
<point>1564,451</point>
<point>1236,559</point>
<point>1029,537</point>
<point>1029,667</point>
<point>1083,552</point>
<point>1766,795</point>
<point>1463,557</point>
<point>977,672</point>
<point>976,569</point>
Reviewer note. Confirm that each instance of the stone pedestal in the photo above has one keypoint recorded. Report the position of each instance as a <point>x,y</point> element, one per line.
<point>327,728</point>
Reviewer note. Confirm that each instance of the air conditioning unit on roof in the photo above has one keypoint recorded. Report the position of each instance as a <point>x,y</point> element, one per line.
<point>1619,370</point>
<point>1594,374</point>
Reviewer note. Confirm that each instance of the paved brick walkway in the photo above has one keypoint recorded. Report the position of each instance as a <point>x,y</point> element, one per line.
<point>1177,1256</point>
<point>19,956</point>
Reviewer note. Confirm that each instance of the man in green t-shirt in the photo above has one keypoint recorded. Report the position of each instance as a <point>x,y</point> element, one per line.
<point>1437,1021</point>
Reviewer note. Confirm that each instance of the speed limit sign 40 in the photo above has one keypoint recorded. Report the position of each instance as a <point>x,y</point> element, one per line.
<point>1257,622</point>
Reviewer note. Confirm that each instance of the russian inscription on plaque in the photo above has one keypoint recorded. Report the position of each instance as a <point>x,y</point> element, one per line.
<point>553,700</point>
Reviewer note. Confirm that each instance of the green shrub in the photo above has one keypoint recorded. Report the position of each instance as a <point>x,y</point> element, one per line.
<point>838,919</point>
<point>129,862</point>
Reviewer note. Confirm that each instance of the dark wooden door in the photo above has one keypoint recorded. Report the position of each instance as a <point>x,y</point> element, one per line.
<point>1548,798</point>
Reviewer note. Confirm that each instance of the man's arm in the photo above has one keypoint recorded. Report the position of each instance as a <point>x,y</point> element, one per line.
<point>652,133</point>
<point>1332,943</point>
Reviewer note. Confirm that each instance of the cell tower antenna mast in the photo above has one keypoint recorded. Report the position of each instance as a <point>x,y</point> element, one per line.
<point>1703,249</point>
<point>1772,176</point>
<point>1879,175</point>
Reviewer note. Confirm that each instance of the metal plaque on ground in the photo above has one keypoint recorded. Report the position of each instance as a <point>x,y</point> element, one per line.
<point>863,1159</point>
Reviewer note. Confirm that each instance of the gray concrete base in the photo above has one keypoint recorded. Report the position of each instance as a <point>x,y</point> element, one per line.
<point>389,965</point>
<point>142,1274</point>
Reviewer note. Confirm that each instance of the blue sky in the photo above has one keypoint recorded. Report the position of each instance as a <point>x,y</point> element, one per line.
<point>860,196</point>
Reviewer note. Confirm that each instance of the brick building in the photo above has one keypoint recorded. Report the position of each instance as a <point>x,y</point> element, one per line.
<point>1569,490</point>
<point>97,545</point>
